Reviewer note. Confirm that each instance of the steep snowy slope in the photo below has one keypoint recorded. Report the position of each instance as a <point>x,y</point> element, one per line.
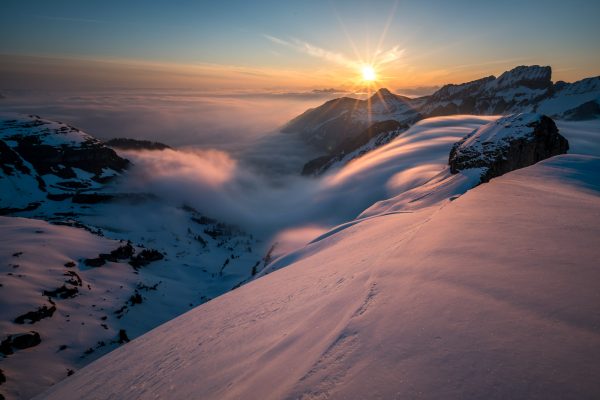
<point>46,287</point>
<point>492,295</point>
<point>178,257</point>
<point>204,258</point>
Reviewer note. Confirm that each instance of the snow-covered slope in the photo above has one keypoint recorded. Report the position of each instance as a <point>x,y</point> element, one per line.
<point>204,258</point>
<point>492,295</point>
<point>329,125</point>
<point>47,288</point>
<point>53,172</point>
<point>568,97</point>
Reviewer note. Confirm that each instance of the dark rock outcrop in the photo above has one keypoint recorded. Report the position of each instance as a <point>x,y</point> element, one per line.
<point>145,257</point>
<point>373,132</point>
<point>94,262</point>
<point>19,341</point>
<point>89,156</point>
<point>123,338</point>
<point>120,253</point>
<point>135,144</point>
<point>37,315</point>
<point>91,198</point>
<point>317,165</point>
<point>379,133</point>
<point>376,135</point>
<point>10,161</point>
<point>509,143</point>
<point>62,292</point>
<point>52,161</point>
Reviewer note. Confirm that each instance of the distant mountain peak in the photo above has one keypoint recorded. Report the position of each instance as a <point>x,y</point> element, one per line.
<point>388,99</point>
<point>531,76</point>
<point>384,94</point>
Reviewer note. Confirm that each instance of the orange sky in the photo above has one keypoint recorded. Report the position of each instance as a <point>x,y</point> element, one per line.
<point>50,73</point>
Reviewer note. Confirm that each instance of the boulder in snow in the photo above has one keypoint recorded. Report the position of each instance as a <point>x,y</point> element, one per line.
<point>509,143</point>
<point>20,341</point>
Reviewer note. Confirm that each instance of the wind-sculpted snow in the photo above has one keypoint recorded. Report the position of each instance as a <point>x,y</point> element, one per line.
<point>492,295</point>
<point>184,204</point>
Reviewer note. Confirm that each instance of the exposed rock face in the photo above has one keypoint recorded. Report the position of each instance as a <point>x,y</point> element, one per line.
<point>135,144</point>
<point>19,341</point>
<point>509,143</point>
<point>145,257</point>
<point>123,338</point>
<point>37,315</point>
<point>53,144</point>
<point>375,131</point>
<point>45,160</point>
<point>317,166</point>
<point>374,136</point>
<point>516,90</point>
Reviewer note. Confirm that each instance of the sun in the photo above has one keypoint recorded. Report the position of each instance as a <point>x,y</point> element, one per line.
<point>368,73</point>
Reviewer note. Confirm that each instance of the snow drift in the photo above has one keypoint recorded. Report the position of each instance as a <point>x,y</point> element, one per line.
<point>492,295</point>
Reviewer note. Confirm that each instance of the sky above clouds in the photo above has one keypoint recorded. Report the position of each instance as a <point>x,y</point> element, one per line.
<point>277,45</point>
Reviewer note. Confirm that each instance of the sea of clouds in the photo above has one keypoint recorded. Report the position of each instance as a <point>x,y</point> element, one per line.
<point>229,159</point>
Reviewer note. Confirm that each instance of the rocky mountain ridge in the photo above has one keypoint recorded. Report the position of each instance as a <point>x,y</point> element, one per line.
<point>522,89</point>
<point>509,143</point>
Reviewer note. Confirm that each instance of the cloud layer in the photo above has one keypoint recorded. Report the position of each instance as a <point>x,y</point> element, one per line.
<point>175,117</point>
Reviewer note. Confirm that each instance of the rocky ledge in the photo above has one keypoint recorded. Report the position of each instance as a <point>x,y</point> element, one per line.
<point>509,143</point>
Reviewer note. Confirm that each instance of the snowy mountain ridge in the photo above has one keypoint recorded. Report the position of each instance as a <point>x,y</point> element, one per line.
<point>328,125</point>
<point>522,89</point>
<point>42,159</point>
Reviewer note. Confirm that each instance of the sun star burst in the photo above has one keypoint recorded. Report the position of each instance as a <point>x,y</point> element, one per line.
<point>368,73</point>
